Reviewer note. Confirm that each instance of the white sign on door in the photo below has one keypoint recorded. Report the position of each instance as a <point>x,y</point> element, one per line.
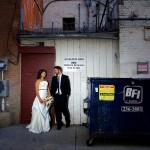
<point>74,64</point>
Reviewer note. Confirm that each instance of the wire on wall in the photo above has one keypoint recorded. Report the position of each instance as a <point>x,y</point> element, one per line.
<point>40,11</point>
<point>44,9</point>
<point>8,36</point>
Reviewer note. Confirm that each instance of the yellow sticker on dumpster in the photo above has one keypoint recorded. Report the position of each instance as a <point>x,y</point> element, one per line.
<point>106,92</point>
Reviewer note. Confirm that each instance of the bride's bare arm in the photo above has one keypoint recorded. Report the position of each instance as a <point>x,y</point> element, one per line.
<point>48,90</point>
<point>37,90</point>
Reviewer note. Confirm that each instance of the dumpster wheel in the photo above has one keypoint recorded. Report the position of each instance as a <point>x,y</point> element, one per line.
<point>90,142</point>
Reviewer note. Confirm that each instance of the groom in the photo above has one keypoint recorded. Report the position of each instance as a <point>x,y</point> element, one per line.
<point>60,90</point>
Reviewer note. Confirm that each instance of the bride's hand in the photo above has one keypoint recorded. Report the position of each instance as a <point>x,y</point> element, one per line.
<point>41,101</point>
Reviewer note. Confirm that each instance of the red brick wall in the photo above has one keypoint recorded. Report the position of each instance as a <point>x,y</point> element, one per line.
<point>9,27</point>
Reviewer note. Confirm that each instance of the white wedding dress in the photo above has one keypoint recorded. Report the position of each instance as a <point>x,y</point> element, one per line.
<point>40,121</point>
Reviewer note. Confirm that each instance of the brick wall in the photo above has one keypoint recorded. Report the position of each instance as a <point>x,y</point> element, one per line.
<point>133,45</point>
<point>9,27</point>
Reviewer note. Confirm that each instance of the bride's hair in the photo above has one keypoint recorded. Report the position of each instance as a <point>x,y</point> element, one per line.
<point>40,72</point>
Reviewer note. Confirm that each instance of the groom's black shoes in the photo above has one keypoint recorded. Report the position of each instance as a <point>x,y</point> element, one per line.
<point>67,125</point>
<point>59,126</point>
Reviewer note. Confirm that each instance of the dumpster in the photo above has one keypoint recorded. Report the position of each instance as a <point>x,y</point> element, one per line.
<point>117,107</point>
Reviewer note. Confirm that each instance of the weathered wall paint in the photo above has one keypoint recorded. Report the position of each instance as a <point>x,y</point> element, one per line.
<point>31,15</point>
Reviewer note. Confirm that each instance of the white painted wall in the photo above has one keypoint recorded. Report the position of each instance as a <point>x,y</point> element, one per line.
<point>133,45</point>
<point>100,61</point>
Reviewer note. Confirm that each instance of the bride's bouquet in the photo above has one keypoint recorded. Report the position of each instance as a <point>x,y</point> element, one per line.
<point>48,100</point>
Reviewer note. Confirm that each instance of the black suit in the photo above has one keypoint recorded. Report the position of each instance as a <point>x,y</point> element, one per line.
<point>61,101</point>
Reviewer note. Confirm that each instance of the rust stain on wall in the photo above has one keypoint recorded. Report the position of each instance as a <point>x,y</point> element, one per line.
<point>31,17</point>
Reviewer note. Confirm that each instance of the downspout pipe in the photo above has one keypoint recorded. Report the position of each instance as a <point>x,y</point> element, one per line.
<point>88,18</point>
<point>88,4</point>
<point>97,16</point>
<point>79,16</point>
<point>108,15</point>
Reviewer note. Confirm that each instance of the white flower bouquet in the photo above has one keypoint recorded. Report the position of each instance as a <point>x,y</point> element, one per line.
<point>48,100</point>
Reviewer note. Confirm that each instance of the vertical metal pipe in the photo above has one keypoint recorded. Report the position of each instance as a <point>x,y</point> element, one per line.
<point>2,75</point>
<point>52,27</point>
<point>88,19</point>
<point>108,15</point>
<point>108,8</point>
<point>79,16</point>
<point>3,104</point>
<point>3,99</point>
<point>97,16</point>
<point>88,4</point>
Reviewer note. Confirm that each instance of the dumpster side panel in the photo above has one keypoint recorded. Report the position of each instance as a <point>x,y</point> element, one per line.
<point>123,111</point>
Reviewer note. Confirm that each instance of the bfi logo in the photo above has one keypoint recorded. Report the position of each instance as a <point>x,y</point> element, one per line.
<point>133,94</point>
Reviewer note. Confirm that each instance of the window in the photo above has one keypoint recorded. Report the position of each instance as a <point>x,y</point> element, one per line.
<point>68,24</point>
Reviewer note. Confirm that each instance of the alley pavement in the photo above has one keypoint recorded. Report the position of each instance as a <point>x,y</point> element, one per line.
<point>17,137</point>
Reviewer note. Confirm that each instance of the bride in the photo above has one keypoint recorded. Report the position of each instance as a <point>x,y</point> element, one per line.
<point>40,120</point>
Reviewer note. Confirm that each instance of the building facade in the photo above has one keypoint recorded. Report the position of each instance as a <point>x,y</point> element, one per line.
<point>73,32</point>
<point>134,41</point>
<point>88,38</point>
<point>9,28</point>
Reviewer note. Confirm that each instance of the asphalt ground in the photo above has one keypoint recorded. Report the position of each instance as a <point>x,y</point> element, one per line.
<point>17,137</point>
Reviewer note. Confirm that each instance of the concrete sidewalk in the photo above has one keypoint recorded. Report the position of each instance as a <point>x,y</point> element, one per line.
<point>17,137</point>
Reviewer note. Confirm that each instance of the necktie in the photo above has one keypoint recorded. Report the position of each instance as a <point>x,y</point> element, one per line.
<point>58,79</point>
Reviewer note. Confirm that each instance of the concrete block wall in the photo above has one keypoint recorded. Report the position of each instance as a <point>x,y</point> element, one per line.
<point>132,44</point>
<point>9,27</point>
